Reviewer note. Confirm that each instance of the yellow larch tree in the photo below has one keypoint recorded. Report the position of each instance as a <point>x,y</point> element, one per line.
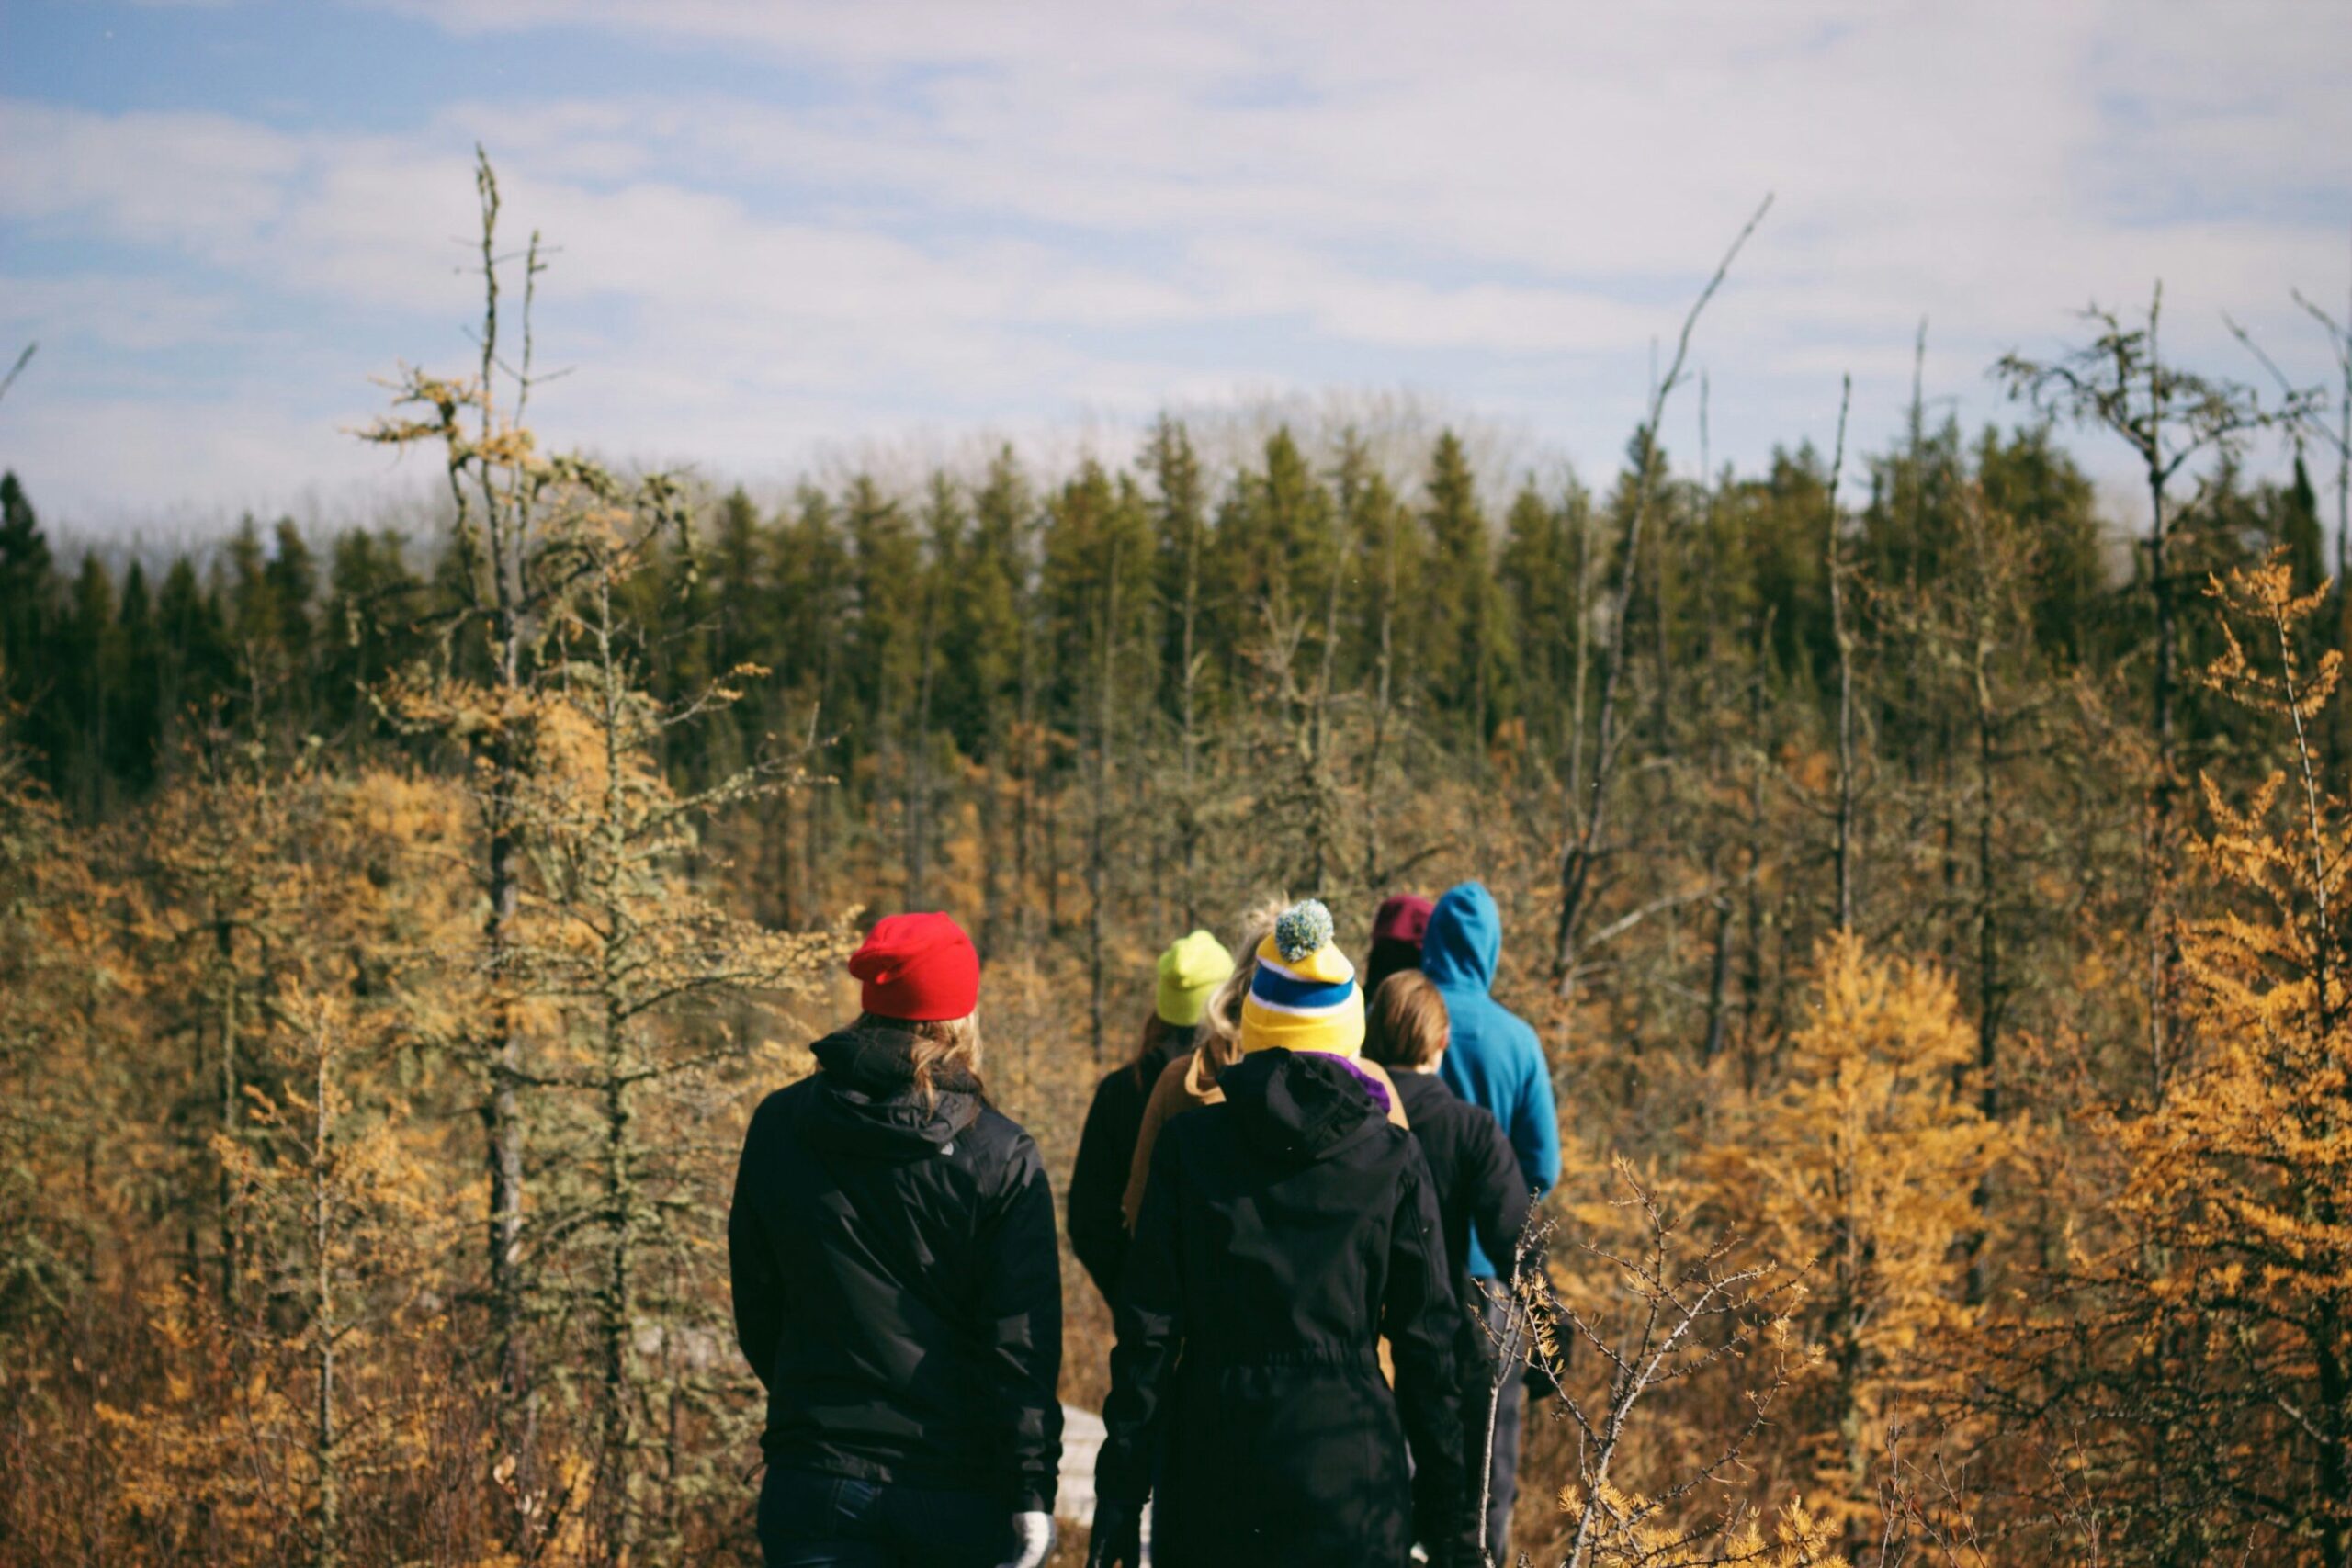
<point>2234,1290</point>
<point>1862,1167</point>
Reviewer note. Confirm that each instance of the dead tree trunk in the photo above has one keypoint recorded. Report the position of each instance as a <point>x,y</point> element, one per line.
<point>1585,839</point>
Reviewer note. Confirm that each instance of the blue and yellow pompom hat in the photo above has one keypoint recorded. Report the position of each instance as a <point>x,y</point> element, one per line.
<point>1303,996</point>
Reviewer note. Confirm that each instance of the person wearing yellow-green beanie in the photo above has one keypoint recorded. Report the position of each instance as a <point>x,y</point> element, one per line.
<point>1188,974</point>
<point>1284,1232</point>
<point>1293,989</point>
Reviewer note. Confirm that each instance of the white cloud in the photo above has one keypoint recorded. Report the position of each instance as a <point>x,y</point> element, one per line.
<point>1001,214</point>
<point>136,315</point>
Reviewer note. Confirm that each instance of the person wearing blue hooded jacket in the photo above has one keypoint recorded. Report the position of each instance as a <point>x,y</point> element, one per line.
<point>1497,1062</point>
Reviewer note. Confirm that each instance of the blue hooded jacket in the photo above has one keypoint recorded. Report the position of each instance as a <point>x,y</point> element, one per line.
<point>1494,1059</point>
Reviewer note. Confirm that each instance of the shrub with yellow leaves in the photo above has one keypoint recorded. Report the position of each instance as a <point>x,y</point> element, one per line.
<point>1862,1168</point>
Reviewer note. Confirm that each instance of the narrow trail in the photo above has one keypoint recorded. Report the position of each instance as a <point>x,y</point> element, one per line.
<point>1081,1441</point>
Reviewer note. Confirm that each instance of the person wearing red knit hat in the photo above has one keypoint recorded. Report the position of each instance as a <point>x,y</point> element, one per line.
<point>898,1284</point>
<point>918,968</point>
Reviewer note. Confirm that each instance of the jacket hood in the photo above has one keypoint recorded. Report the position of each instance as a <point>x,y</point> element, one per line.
<point>1298,1107</point>
<point>870,1104</point>
<point>1463,944</point>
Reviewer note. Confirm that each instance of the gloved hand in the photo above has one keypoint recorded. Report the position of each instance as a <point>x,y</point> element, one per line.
<point>1118,1536</point>
<point>1033,1539</point>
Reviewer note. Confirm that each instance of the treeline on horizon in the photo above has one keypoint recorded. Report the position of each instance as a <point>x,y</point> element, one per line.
<point>1928,893</point>
<point>963,616</point>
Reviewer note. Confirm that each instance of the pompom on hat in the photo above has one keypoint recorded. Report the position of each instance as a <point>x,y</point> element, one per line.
<point>919,968</point>
<point>1193,967</point>
<point>1303,996</point>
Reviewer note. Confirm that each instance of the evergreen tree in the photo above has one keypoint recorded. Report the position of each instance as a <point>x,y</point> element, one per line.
<point>134,726</point>
<point>28,618</point>
<point>2026,476</point>
<point>89,670</point>
<point>887,641</point>
<point>367,627</point>
<point>1463,632</point>
<point>198,664</point>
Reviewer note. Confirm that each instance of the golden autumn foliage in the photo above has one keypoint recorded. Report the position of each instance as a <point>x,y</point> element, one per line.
<point>1862,1171</point>
<point>2237,1289</point>
<point>1957,1135</point>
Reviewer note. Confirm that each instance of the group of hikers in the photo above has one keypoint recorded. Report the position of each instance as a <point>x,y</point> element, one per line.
<point>1302,1162</point>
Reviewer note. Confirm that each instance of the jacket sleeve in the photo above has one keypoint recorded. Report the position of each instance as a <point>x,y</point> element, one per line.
<point>1422,1321</point>
<point>1535,1121</point>
<point>757,1288</point>
<point>1098,1181</point>
<point>1020,1321</point>
<point>1151,1323</point>
<point>1497,1188</point>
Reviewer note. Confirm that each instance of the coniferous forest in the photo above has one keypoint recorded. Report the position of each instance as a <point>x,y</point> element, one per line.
<point>1928,883</point>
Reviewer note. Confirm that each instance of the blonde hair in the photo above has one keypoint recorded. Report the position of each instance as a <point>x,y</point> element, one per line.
<point>940,1042</point>
<point>1406,1026</point>
<point>1220,1036</point>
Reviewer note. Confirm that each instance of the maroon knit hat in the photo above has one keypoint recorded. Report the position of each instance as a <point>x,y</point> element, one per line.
<point>1403,917</point>
<point>922,968</point>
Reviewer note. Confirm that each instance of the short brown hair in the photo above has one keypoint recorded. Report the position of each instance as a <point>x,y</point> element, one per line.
<point>1406,1026</point>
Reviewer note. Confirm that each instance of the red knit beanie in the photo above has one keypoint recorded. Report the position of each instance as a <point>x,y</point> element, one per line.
<point>1403,917</point>
<point>922,968</point>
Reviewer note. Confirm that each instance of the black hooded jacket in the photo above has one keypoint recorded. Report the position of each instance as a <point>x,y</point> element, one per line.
<point>897,1281</point>
<point>1479,1186</point>
<point>1282,1233</point>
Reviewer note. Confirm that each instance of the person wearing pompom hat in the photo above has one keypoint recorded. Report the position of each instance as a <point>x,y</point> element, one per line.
<point>1188,973</point>
<point>1286,1231</point>
<point>896,1283</point>
<point>1190,1082</point>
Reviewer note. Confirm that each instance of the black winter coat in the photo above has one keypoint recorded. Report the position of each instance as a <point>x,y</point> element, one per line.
<point>897,1281</point>
<point>1106,1153</point>
<point>1283,1233</point>
<point>1477,1175</point>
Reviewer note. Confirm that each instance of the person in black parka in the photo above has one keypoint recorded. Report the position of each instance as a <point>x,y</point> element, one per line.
<point>1479,1189</point>
<point>897,1286</point>
<point>1283,1233</point>
<point>1191,969</point>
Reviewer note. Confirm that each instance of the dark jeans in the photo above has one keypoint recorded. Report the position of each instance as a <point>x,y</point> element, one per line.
<point>1510,1409</point>
<point>809,1521</point>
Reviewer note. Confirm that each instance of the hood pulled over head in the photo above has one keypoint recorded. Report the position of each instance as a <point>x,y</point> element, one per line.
<point>1462,946</point>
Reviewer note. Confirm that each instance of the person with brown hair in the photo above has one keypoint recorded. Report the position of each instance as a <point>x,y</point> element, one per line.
<point>1479,1188</point>
<point>897,1287</point>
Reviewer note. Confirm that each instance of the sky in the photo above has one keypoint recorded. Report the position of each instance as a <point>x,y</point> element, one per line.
<point>792,234</point>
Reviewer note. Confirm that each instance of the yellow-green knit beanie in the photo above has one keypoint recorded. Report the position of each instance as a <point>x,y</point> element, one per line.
<point>1192,967</point>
